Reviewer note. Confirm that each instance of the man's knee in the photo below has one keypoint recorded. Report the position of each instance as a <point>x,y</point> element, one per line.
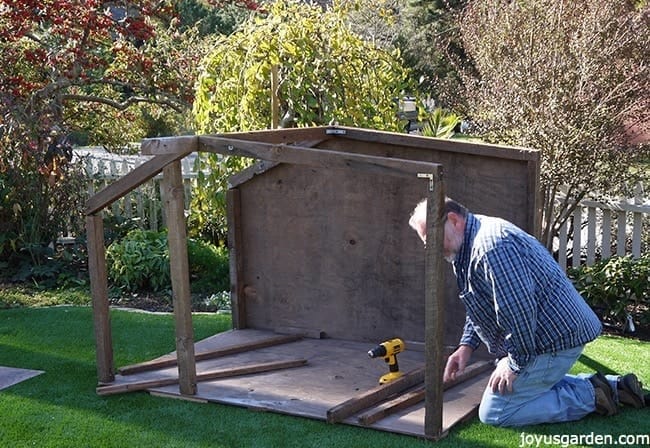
<point>489,415</point>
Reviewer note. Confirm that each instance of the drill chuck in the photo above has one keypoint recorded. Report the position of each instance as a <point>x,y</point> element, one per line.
<point>377,352</point>
<point>387,348</point>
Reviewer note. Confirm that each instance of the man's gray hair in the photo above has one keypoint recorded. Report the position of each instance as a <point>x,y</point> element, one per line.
<point>420,211</point>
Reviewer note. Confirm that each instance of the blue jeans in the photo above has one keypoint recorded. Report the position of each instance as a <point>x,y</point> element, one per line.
<point>543,392</point>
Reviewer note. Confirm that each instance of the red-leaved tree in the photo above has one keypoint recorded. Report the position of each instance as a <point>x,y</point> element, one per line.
<point>73,66</point>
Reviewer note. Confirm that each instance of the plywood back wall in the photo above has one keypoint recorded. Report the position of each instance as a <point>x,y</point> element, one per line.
<point>331,250</point>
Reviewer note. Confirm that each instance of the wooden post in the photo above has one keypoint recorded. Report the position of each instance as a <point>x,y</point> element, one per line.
<point>235,250</point>
<point>99,292</point>
<point>175,214</point>
<point>434,311</point>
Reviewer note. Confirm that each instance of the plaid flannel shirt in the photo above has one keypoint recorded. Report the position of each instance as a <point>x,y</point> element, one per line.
<point>518,301</point>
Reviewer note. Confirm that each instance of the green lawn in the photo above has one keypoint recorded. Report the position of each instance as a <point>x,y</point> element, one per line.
<point>61,409</point>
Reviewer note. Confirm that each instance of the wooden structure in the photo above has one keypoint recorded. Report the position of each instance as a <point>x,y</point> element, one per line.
<point>320,248</point>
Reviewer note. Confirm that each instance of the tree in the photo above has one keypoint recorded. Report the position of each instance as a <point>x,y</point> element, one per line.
<point>79,67</point>
<point>428,35</point>
<point>569,78</point>
<point>326,73</point>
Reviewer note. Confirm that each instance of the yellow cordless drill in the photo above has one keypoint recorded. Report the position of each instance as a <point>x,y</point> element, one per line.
<point>389,350</point>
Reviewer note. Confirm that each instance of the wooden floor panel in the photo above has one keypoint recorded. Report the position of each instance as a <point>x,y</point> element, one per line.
<point>336,370</point>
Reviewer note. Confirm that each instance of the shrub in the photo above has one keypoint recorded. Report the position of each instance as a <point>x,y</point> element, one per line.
<point>140,262</point>
<point>209,267</point>
<point>616,287</point>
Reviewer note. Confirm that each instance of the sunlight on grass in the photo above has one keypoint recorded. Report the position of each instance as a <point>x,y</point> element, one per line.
<point>61,409</point>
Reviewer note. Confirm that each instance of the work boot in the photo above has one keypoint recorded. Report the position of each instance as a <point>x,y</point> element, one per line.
<point>630,391</point>
<point>605,403</point>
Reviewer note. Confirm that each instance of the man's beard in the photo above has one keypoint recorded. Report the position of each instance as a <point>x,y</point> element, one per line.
<point>450,258</point>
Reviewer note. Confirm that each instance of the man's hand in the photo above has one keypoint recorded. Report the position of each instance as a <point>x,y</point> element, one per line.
<point>456,362</point>
<point>502,377</point>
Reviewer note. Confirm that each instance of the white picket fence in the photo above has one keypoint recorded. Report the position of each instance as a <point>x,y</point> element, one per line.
<point>604,229</point>
<point>599,229</point>
<point>143,203</point>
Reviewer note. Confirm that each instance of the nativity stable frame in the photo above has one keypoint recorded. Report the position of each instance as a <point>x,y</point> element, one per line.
<point>343,195</point>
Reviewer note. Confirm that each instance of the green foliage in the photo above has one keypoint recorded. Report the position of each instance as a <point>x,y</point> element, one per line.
<point>429,39</point>
<point>440,124</point>
<point>325,73</point>
<point>90,69</point>
<point>140,262</point>
<point>39,198</point>
<point>26,296</point>
<point>210,20</point>
<point>569,78</point>
<point>616,286</point>
<point>209,267</point>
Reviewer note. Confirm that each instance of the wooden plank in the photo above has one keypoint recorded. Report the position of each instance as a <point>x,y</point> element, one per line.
<point>99,292</point>
<point>637,230</point>
<point>285,135</point>
<point>591,235</point>
<point>577,237</point>
<point>434,310</point>
<point>439,144</point>
<point>236,258</point>
<point>302,155</point>
<point>417,395</point>
<point>258,168</point>
<point>209,354</point>
<point>228,372</point>
<point>180,277</point>
<point>337,370</point>
<point>312,333</point>
<point>169,145</point>
<point>369,398</point>
<point>130,181</point>
<point>263,165</point>
<point>389,407</point>
<point>621,231</point>
<point>606,230</point>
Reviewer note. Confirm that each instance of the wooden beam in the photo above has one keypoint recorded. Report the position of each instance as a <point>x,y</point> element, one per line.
<point>228,372</point>
<point>324,158</point>
<point>130,181</point>
<point>369,398</point>
<point>99,292</point>
<point>236,258</point>
<point>262,166</point>
<point>180,276</point>
<point>415,396</point>
<point>169,145</point>
<point>436,144</point>
<point>392,406</point>
<point>285,135</point>
<point>210,354</point>
<point>434,311</point>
